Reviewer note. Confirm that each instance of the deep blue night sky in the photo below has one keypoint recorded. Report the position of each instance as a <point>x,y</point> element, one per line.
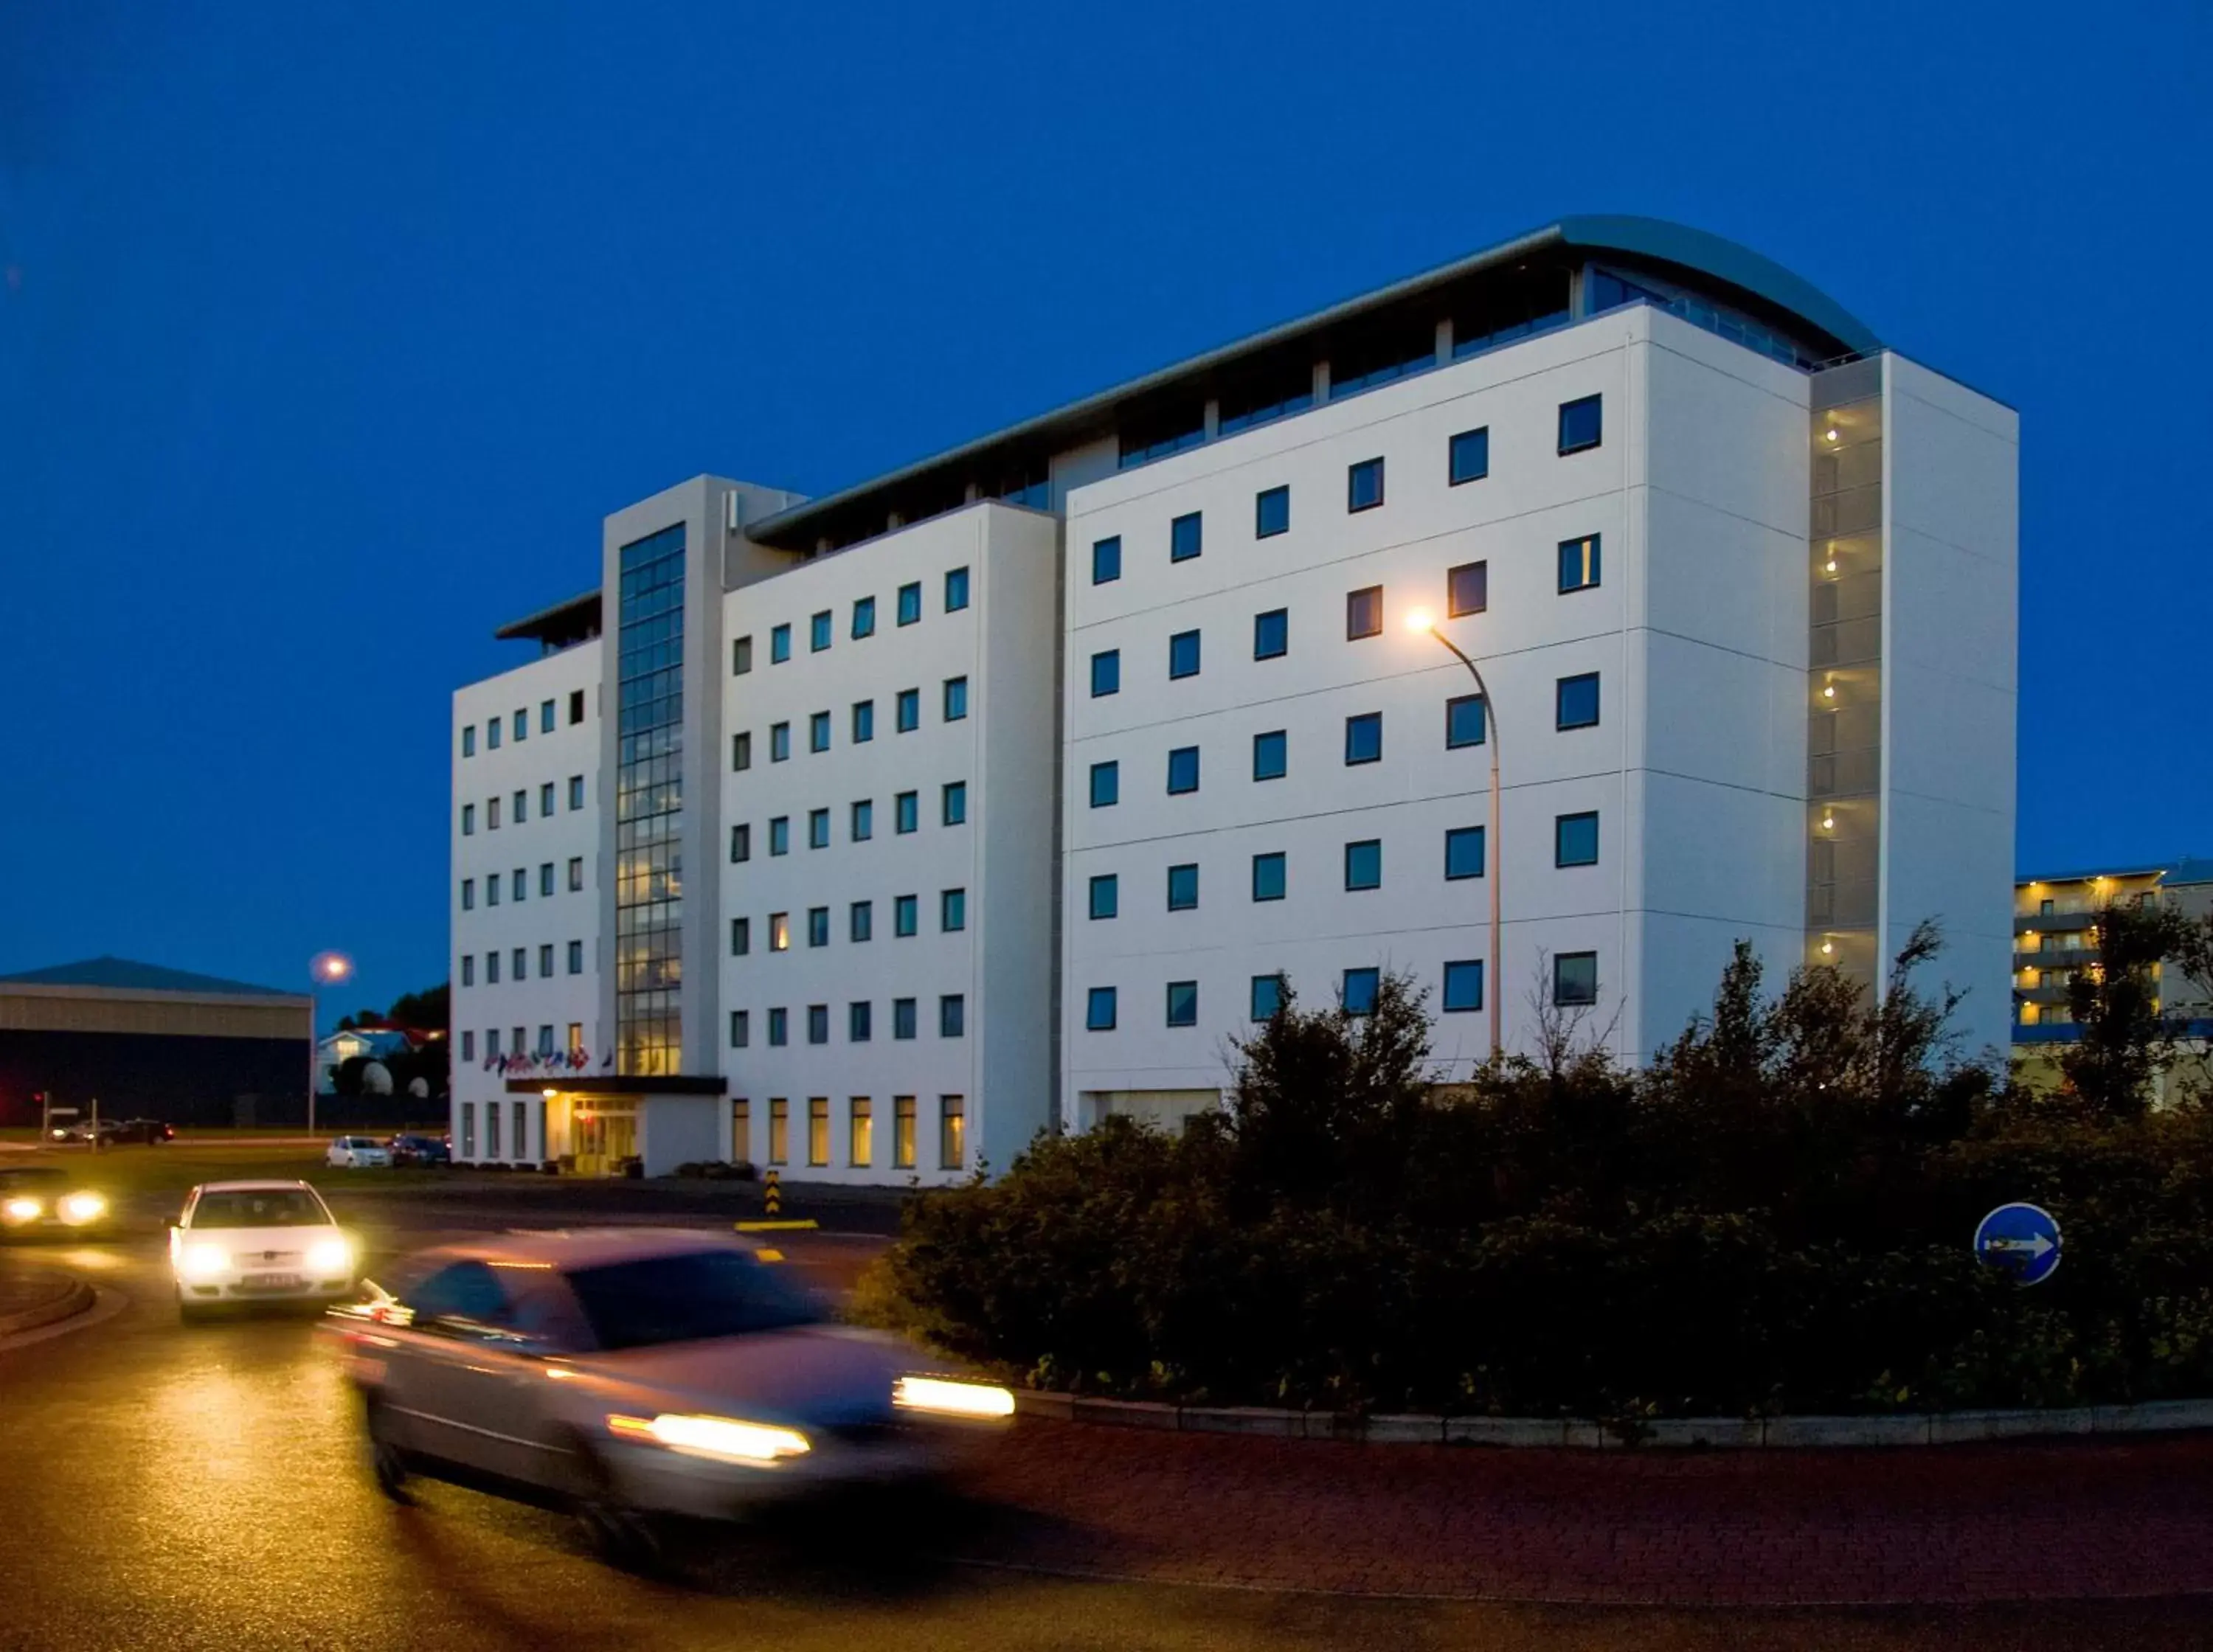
<point>328,334</point>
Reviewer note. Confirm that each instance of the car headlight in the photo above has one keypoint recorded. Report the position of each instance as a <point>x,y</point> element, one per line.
<point>949,1399</point>
<point>726,1439</point>
<point>328,1256</point>
<point>77,1209</point>
<point>20,1209</point>
<point>202,1260</point>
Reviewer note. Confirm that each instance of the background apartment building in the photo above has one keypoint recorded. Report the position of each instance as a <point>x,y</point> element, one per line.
<point>1028,772</point>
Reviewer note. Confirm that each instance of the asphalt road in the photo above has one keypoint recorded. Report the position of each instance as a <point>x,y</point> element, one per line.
<point>177,1487</point>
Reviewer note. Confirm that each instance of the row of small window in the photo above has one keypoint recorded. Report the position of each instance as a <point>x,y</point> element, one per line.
<point>521,964</point>
<point>520,883</point>
<point>860,1021</point>
<point>907,717</point>
<point>860,922</point>
<point>521,723</point>
<point>861,826</point>
<point>860,1131</point>
<point>822,627</point>
<point>1574,706</point>
<point>1574,984</point>
<point>521,812</point>
<point>1574,842</point>
<point>544,1048</point>
<point>1467,458</point>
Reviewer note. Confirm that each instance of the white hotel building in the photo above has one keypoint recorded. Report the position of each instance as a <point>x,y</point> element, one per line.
<point>1011,784</point>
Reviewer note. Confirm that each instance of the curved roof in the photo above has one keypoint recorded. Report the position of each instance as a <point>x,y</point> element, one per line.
<point>123,975</point>
<point>1706,261</point>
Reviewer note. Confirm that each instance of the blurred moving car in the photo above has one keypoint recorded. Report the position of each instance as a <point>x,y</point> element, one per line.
<point>150,1132</point>
<point>640,1372</point>
<point>38,1199</point>
<point>358,1153</point>
<point>257,1241</point>
<point>408,1149</point>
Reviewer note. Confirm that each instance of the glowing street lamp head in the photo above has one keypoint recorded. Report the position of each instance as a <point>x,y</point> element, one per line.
<point>1419,619</point>
<point>329,968</point>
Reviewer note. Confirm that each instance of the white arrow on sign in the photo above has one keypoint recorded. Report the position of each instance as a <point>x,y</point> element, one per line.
<point>2036,1245</point>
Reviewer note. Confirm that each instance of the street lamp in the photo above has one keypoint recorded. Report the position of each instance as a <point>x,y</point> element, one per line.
<point>323,969</point>
<point>1420,619</point>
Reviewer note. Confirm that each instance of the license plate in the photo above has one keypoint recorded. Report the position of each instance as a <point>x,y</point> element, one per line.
<point>274,1282</point>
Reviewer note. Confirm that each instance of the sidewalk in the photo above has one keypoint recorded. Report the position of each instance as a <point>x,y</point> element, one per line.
<point>2090,1520</point>
<point>31,1295</point>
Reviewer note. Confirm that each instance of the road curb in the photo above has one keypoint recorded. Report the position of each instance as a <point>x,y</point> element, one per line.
<point>1589,1434</point>
<point>72,1298</point>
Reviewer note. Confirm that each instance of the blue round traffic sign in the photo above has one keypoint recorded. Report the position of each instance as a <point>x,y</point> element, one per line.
<point>2022,1240</point>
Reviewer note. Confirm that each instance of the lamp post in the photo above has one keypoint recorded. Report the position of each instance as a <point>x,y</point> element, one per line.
<point>323,969</point>
<point>1494,859</point>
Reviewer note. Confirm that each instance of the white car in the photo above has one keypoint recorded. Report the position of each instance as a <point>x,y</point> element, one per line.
<point>257,1241</point>
<point>358,1153</point>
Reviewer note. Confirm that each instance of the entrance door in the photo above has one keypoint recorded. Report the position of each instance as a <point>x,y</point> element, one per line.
<point>604,1137</point>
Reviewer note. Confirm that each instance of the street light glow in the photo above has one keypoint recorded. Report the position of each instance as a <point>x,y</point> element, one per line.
<point>1419,619</point>
<point>330,966</point>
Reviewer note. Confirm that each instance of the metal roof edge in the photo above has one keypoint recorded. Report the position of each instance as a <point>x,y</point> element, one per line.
<point>530,624</point>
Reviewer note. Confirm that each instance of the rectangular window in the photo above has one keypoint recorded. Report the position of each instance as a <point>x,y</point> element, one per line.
<point>1357,993</point>
<point>1468,456</point>
<point>1271,512</point>
<point>468,819</point>
<point>1363,864</point>
<point>491,890</point>
<point>1183,769</point>
<point>469,740</point>
<point>858,1022</point>
<point>546,962</point>
<point>909,710</point>
<point>818,731</point>
<point>1183,888</point>
<point>521,964</point>
<point>742,843</point>
<point>1581,423</point>
<point>1271,755</point>
<point>1463,721</point>
<point>1574,977</point>
<point>1184,538</point>
<point>1105,784</point>
<point>741,655</point>
<point>1577,701</point>
<point>779,1034</point>
<point>956,698</point>
<point>741,752</point>
<point>954,803</point>
<point>818,1023</point>
<point>468,1038</point>
<point>905,914</point>
<point>860,1133</point>
<point>575,792</point>
<point>779,835</point>
<point>902,1018</point>
<point>742,1130</point>
<point>1464,852</point>
<point>522,884</point>
<point>818,828</point>
<point>952,909</point>
<point>492,1042</point>
<point>1364,613</point>
<point>469,1128</point>
<point>779,742</point>
<point>492,814</point>
<point>545,800</point>
<point>779,645</point>
<point>779,931</point>
<point>864,617</point>
<point>576,958</point>
<point>1574,840</point>
<point>575,874</point>
<point>1271,634</point>
<point>779,1119</point>
<point>521,724</point>
<point>864,722</point>
<point>903,1132</point>
<point>741,936</point>
<point>1099,1009</point>
<point>1464,984</point>
<point>1183,1004</point>
<point>1268,876</point>
<point>952,1133</point>
<point>522,806</point>
<point>1267,996</point>
<point>1106,672</point>
<point>545,878</point>
<point>906,814</point>
<point>819,627</point>
<point>1107,560</point>
<point>1363,738</point>
<point>1106,895</point>
<point>468,969</point>
<point>491,734</point>
<point>545,718</point>
<point>952,1015</point>
<point>818,926</point>
<point>1183,654</point>
<point>576,706</point>
<point>910,603</point>
<point>860,921</point>
<point>1579,564</point>
<point>1467,589</point>
<point>864,819</point>
<point>469,894</point>
<point>1363,486</point>
<point>740,1036</point>
<point>956,590</point>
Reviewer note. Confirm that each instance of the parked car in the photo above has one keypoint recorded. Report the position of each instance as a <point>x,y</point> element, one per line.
<point>358,1153</point>
<point>41,1200</point>
<point>408,1149</point>
<point>640,1372</point>
<point>257,1241</point>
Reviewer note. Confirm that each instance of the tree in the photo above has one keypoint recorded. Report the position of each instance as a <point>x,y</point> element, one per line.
<point>426,1011</point>
<point>2126,1040</point>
